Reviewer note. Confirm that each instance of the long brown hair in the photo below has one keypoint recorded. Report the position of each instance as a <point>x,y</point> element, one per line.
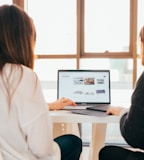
<point>17,36</point>
<point>17,42</point>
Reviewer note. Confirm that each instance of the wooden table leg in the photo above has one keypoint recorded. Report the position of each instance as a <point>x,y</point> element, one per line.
<point>65,128</point>
<point>97,140</point>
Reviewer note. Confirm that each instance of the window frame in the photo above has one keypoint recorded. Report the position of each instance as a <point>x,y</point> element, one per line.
<point>80,38</point>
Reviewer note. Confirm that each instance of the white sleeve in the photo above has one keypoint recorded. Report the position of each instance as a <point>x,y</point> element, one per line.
<point>40,139</point>
<point>34,117</point>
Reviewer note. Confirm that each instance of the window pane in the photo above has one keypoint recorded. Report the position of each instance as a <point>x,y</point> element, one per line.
<point>55,22</point>
<point>107,25</point>
<point>46,69</point>
<point>120,69</point>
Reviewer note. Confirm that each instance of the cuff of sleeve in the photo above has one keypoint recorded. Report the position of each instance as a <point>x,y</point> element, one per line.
<point>56,155</point>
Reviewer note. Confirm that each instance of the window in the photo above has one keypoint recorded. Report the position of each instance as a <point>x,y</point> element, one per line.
<point>85,33</point>
<point>107,25</point>
<point>46,73</point>
<point>55,22</point>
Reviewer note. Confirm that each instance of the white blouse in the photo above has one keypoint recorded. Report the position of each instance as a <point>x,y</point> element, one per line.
<point>25,123</point>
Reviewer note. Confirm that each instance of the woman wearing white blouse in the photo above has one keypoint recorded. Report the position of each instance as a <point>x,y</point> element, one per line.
<point>25,123</point>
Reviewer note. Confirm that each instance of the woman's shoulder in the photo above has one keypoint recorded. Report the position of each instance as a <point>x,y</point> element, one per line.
<point>27,70</point>
<point>9,67</point>
<point>20,73</point>
<point>29,76</point>
<point>16,68</point>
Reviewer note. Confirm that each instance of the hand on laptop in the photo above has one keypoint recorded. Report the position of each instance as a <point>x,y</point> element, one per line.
<point>114,110</point>
<point>61,103</point>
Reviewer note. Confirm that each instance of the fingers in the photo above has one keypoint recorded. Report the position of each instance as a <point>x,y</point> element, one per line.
<point>70,102</point>
<point>108,112</point>
<point>67,101</point>
<point>114,111</point>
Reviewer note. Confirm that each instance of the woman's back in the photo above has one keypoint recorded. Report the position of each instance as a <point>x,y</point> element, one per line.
<point>26,107</point>
<point>25,123</point>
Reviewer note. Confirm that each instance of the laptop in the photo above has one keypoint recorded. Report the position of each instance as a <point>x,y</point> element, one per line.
<point>89,89</point>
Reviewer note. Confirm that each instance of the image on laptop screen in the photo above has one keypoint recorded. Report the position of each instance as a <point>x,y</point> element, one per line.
<point>84,86</point>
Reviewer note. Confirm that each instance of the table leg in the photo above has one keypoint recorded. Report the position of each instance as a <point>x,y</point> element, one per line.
<point>97,140</point>
<point>65,128</point>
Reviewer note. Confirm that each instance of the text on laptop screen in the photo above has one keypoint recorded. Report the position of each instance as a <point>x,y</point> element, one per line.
<point>84,86</point>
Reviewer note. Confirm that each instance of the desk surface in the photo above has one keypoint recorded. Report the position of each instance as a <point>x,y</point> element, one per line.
<point>69,117</point>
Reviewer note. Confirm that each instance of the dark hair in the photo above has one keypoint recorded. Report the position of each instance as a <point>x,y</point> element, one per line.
<point>17,42</point>
<point>17,36</point>
<point>141,35</point>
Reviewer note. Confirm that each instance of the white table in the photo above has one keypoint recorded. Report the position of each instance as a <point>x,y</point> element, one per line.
<point>67,122</point>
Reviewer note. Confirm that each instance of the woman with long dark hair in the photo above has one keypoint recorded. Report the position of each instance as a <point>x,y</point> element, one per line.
<point>25,123</point>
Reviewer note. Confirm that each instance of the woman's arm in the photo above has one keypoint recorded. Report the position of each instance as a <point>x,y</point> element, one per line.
<point>34,118</point>
<point>132,123</point>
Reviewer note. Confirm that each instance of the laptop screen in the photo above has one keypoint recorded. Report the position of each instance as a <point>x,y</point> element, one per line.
<point>84,86</point>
